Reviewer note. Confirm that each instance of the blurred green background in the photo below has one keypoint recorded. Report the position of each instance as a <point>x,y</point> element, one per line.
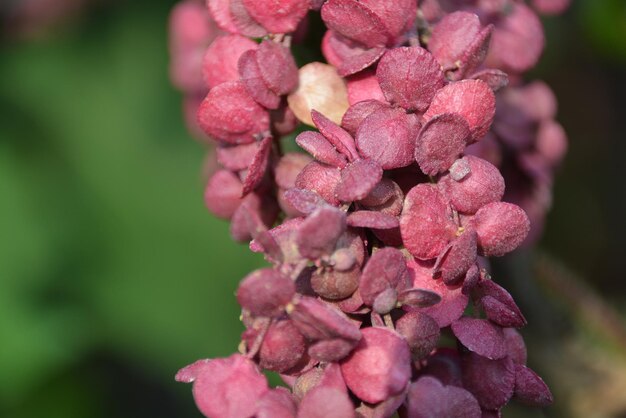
<point>113,275</point>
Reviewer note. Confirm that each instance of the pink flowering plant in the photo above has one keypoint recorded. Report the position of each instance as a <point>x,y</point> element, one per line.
<point>377,298</point>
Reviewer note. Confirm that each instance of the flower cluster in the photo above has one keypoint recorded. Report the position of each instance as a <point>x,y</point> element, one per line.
<point>377,299</point>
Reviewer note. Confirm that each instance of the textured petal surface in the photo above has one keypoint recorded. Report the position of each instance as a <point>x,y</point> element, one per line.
<point>277,16</point>
<point>440,142</point>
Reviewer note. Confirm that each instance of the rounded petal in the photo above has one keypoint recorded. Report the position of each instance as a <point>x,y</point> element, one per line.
<point>440,142</point>
<point>501,228</point>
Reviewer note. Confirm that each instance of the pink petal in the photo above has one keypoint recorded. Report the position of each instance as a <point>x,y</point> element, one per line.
<point>276,403</point>
<point>348,56</point>
<point>256,172</point>
<point>498,304</point>
<point>303,200</point>
<point>222,195</point>
<point>255,85</point>
<point>335,134</point>
<point>283,347</point>
<point>364,86</point>
<point>409,77</point>
<point>358,179</point>
<point>229,114</point>
<point>319,232</point>
<point>265,292</point>
<point>420,331</point>
<point>277,16</point>
<point>372,219</point>
<point>397,15</point>
<point>355,21</point>
<point>494,78</point>
<point>386,268</point>
<point>356,113</point>
<point>220,11</point>
<point>221,58</point>
<point>428,398</point>
<point>379,367</point>
<point>323,151</point>
<point>551,7</point>
<point>326,402</point>
<point>482,185</point>
<point>455,261</point>
<point>501,228</point>
<point>388,136</point>
<point>237,157</point>
<point>426,222</point>
<point>320,178</point>
<point>333,284</point>
<point>440,142</point>
<point>318,320</point>
<point>515,346</point>
<point>288,168</point>
<point>242,20</point>
<point>277,67</point>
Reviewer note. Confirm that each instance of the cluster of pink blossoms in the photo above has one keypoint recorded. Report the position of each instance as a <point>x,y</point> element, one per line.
<point>377,300</point>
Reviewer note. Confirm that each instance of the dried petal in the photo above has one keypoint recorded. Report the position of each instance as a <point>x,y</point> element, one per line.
<point>319,88</point>
<point>348,56</point>
<point>332,284</point>
<point>501,228</point>
<point>440,142</point>
<point>387,136</point>
<point>331,350</point>
<point>409,77</point>
<point>379,367</point>
<point>418,298</point>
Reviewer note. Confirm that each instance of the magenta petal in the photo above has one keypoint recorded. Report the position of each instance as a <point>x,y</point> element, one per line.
<point>515,346</point>
<point>229,387</point>
<point>277,67</point>
<point>397,15</point>
<point>501,228</point>
<point>319,232</point>
<point>220,12</point>
<point>251,78</point>
<point>440,142</point>
<point>357,113</point>
<point>385,269</point>
<point>326,402</point>
<point>494,78</point>
<point>276,403</point>
<point>418,298</point>
<point>358,179</point>
<point>428,398</point>
<point>318,320</point>
<point>283,347</point>
<point>372,219</point>
<point>498,304</point>
<point>530,389</point>
<point>420,331</point>
<point>483,184</point>
<point>445,365</point>
<point>277,16</point>
<point>426,222</point>
<point>331,350</point>
<point>379,367</point>
<point>349,57</point>
<point>355,21</point>
<point>321,179</point>
<point>229,114</point>
<point>265,292</point>
<point>452,37</point>
<point>363,86</point>
<point>409,77</point>
<point>305,201</point>
<point>490,381</point>
<point>245,24</point>
<point>319,147</point>
<point>288,168</point>
<point>221,58</point>
<point>237,157</point>
<point>455,261</point>
<point>387,136</point>
<point>333,284</point>
<point>481,337</point>
<point>258,166</point>
<point>472,99</point>
<point>335,134</point>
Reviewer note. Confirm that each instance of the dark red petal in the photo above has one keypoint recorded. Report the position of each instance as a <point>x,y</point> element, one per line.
<point>490,381</point>
<point>420,331</point>
<point>440,142</point>
<point>277,16</point>
<point>501,228</point>
<point>379,367</point>
<point>319,147</point>
<point>455,261</point>
<point>452,36</point>
<point>472,99</point>
<point>221,58</point>
<point>348,56</point>
<point>385,269</point>
<point>428,398</point>
<point>333,284</point>
<point>530,389</point>
<point>426,222</point>
<point>355,21</point>
<point>515,346</point>
<point>320,178</point>
<point>397,15</point>
<point>318,320</point>
<point>498,304</point>
<point>358,179</point>
<point>409,77</point>
<point>387,136</point>
<point>481,337</point>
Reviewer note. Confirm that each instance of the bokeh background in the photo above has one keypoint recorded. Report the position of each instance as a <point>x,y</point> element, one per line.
<point>113,275</point>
